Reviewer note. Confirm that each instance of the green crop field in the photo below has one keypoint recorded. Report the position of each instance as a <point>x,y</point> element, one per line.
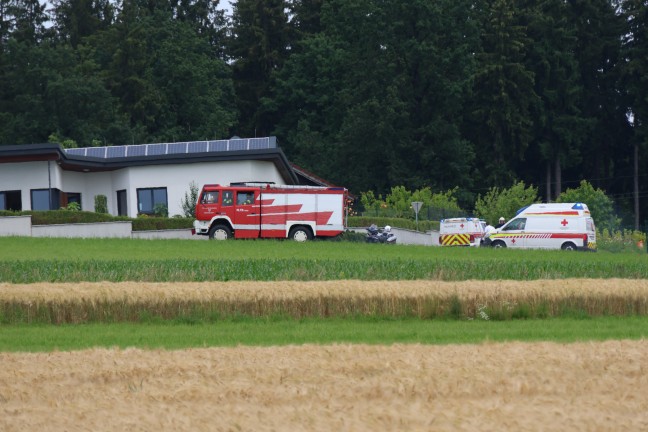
<point>327,317</point>
<point>27,260</point>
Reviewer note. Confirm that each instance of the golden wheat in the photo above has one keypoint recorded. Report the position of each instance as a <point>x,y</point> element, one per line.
<point>501,290</point>
<point>513,387</point>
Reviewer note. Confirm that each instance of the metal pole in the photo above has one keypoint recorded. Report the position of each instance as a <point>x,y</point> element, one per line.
<point>49,186</point>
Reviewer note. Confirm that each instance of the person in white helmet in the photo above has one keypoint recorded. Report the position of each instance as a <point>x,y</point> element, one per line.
<point>501,223</point>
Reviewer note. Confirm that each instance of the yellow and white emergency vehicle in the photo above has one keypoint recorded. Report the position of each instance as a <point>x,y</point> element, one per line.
<point>567,226</point>
<point>461,231</point>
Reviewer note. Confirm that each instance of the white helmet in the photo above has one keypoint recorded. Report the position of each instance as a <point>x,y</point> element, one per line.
<point>387,228</point>
<point>502,219</point>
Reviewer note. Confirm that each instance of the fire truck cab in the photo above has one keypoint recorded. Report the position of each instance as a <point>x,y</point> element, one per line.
<point>265,210</point>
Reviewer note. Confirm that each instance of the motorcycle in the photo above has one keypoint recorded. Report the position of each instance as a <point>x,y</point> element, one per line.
<point>375,235</point>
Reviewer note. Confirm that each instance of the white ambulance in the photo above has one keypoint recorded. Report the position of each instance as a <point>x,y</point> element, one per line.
<point>461,231</point>
<point>567,226</point>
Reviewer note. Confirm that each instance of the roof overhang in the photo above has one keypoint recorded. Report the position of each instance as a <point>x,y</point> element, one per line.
<point>70,162</point>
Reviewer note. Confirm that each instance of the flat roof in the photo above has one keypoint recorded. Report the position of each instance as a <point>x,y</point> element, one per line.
<point>110,158</point>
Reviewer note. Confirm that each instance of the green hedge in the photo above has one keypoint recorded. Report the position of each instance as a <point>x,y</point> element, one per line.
<point>365,221</point>
<point>53,217</point>
<point>147,223</point>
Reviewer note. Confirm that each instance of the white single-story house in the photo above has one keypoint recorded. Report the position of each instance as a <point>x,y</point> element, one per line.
<point>136,179</point>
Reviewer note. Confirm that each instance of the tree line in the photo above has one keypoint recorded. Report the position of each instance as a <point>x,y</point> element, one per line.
<point>467,94</point>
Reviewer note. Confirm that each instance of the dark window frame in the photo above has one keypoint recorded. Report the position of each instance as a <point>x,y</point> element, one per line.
<point>54,199</point>
<point>11,200</point>
<point>141,191</point>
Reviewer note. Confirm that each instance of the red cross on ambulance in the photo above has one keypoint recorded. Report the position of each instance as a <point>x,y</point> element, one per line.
<point>564,222</point>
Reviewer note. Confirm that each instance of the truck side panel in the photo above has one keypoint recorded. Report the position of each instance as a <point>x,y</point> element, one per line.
<point>281,211</point>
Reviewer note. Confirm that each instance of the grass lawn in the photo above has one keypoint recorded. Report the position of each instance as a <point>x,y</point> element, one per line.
<point>266,332</point>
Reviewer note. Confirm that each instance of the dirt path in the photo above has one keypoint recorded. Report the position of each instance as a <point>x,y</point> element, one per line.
<point>513,387</point>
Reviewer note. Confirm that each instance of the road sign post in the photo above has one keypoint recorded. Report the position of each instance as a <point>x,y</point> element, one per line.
<point>416,205</point>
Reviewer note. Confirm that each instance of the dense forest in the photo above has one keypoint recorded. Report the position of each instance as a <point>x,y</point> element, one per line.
<point>368,94</point>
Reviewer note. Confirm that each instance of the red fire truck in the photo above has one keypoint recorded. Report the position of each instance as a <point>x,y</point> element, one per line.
<point>266,210</point>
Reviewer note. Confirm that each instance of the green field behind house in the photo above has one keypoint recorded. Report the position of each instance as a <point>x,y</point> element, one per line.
<point>28,260</point>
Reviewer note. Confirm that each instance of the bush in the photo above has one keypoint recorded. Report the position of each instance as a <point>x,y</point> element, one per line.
<point>398,204</point>
<point>161,210</point>
<point>620,241</point>
<point>188,203</point>
<point>73,206</point>
<point>600,205</point>
<point>505,202</point>
<point>101,204</point>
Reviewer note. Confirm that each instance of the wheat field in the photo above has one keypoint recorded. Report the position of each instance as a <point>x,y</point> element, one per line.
<point>593,386</point>
<point>511,386</point>
<point>503,299</point>
<point>233,291</point>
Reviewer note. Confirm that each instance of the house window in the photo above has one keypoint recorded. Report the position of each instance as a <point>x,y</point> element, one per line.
<point>10,200</point>
<point>70,197</point>
<point>150,199</point>
<point>45,199</point>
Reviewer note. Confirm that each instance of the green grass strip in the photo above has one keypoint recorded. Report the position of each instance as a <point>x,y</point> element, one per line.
<point>269,269</point>
<point>266,332</point>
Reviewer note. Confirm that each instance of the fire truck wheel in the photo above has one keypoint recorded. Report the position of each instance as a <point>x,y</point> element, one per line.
<point>300,234</point>
<point>219,232</point>
<point>568,246</point>
<point>499,244</point>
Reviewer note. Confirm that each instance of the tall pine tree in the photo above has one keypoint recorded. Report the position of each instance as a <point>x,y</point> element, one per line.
<point>258,47</point>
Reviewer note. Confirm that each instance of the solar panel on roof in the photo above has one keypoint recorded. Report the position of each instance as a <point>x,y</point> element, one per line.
<point>238,144</point>
<point>220,145</point>
<point>157,149</point>
<point>235,144</point>
<point>77,151</point>
<point>135,150</point>
<point>176,148</point>
<point>198,146</point>
<point>117,151</point>
<point>98,152</point>
<point>258,143</point>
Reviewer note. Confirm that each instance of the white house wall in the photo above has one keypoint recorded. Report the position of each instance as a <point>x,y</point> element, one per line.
<point>176,178</point>
<point>88,185</point>
<point>25,176</point>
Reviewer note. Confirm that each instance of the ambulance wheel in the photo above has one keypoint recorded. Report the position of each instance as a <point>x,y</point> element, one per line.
<point>499,244</point>
<point>220,232</point>
<point>569,246</point>
<point>300,234</point>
